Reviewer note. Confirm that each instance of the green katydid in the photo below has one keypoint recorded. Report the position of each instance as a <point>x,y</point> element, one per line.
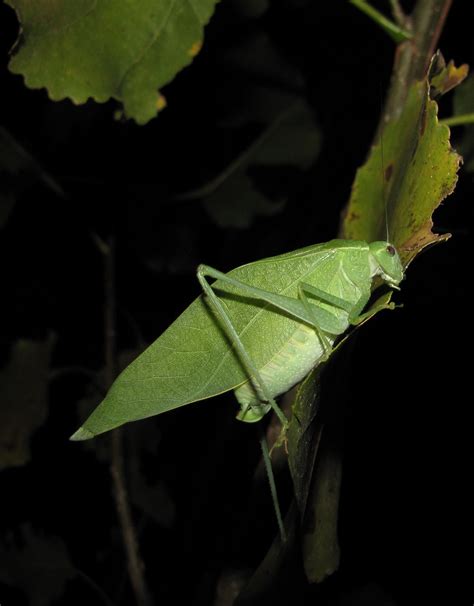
<point>257,330</point>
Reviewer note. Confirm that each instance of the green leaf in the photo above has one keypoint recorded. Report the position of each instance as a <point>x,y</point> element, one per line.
<point>104,49</point>
<point>412,169</point>
<point>23,397</point>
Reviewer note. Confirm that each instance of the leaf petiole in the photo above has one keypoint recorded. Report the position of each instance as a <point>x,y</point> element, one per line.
<point>397,33</point>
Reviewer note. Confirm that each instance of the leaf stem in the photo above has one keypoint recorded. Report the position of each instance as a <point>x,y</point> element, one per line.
<point>392,29</point>
<point>458,120</point>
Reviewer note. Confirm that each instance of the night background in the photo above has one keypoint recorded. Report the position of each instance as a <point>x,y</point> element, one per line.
<point>199,497</point>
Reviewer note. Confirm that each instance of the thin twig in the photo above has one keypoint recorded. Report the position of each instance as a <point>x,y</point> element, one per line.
<point>134,561</point>
<point>398,13</point>
<point>391,28</point>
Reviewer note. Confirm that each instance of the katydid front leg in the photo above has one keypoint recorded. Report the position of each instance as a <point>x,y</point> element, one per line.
<point>362,317</point>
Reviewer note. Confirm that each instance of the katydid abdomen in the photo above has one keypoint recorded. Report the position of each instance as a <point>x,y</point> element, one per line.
<point>287,367</point>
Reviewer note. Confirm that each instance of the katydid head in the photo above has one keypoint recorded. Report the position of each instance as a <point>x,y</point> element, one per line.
<point>386,263</point>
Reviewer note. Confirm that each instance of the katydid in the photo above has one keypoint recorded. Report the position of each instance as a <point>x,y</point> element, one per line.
<point>257,330</point>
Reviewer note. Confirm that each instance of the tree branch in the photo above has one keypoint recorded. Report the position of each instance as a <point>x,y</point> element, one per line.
<point>412,57</point>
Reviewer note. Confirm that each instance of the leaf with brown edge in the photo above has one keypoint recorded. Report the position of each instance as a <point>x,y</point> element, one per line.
<point>413,169</point>
<point>405,178</point>
<point>448,78</point>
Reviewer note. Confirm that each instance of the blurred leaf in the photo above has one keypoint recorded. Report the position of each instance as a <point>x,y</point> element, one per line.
<point>419,171</point>
<point>229,585</point>
<point>273,77</point>
<point>464,104</point>
<point>316,475</point>
<point>251,8</point>
<point>79,49</point>
<point>36,564</point>
<point>264,585</point>
<point>291,140</point>
<point>23,394</point>
<point>304,435</point>
<point>464,97</point>
<point>18,170</point>
<point>236,203</point>
<point>321,552</point>
<point>289,137</point>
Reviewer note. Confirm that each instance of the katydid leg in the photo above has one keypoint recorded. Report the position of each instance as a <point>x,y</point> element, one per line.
<point>271,480</point>
<point>325,343</point>
<point>259,386</point>
<point>362,317</point>
<point>252,371</point>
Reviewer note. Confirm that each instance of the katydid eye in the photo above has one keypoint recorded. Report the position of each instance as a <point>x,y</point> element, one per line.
<point>391,250</point>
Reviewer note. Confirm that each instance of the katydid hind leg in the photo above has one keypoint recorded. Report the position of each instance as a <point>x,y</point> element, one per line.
<point>271,480</point>
<point>252,371</point>
<point>313,315</point>
<point>288,304</point>
<point>259,387</point>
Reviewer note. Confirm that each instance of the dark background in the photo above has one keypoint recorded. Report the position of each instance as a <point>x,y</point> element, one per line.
<point>404,528</point>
